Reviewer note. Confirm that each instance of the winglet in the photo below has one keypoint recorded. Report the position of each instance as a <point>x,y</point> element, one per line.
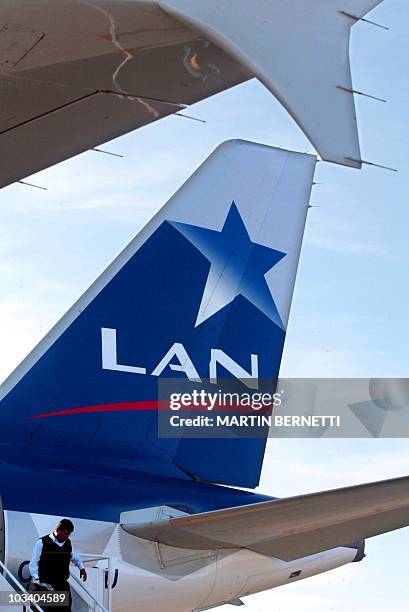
<point>300,51</point>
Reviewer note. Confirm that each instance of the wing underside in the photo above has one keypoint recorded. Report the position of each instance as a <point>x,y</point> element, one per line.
<point>73,79</point>
<point>75,74</point>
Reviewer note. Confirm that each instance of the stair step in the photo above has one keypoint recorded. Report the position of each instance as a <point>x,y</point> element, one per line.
<point>5,586</point>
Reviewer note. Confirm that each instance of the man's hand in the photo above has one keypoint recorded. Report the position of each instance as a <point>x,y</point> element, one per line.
<point>83,574</point>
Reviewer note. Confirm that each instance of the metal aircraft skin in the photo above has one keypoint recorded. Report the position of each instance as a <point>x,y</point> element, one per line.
<point>202,293</point>
<point>77,73</point>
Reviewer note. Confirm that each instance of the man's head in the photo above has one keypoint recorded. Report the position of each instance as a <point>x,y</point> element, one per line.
<point>63,530</point>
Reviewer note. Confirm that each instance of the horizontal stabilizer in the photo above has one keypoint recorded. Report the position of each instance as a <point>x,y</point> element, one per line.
<point>294,527</point>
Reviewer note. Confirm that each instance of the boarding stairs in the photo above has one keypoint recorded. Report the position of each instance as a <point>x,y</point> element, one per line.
<point>10,584</point>
<point>95,595</point>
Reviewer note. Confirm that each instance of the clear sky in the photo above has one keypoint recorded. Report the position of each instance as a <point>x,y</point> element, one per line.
<point>349,314</point>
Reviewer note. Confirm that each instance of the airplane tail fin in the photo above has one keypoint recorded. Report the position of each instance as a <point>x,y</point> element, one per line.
<point>204,290</point>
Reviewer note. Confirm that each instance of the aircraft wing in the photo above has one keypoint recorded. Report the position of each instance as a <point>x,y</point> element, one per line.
<point>294,527</point>
<point>77,73</point>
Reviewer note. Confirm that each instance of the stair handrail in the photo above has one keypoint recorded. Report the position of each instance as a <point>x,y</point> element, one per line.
<point>14,580</point>
<point>88,558</point>
<point>88,592</point>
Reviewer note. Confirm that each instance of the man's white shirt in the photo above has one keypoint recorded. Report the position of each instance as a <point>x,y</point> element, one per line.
<point>38,549</point>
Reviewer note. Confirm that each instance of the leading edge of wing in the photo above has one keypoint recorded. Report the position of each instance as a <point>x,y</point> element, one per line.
<point>293,527</point>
